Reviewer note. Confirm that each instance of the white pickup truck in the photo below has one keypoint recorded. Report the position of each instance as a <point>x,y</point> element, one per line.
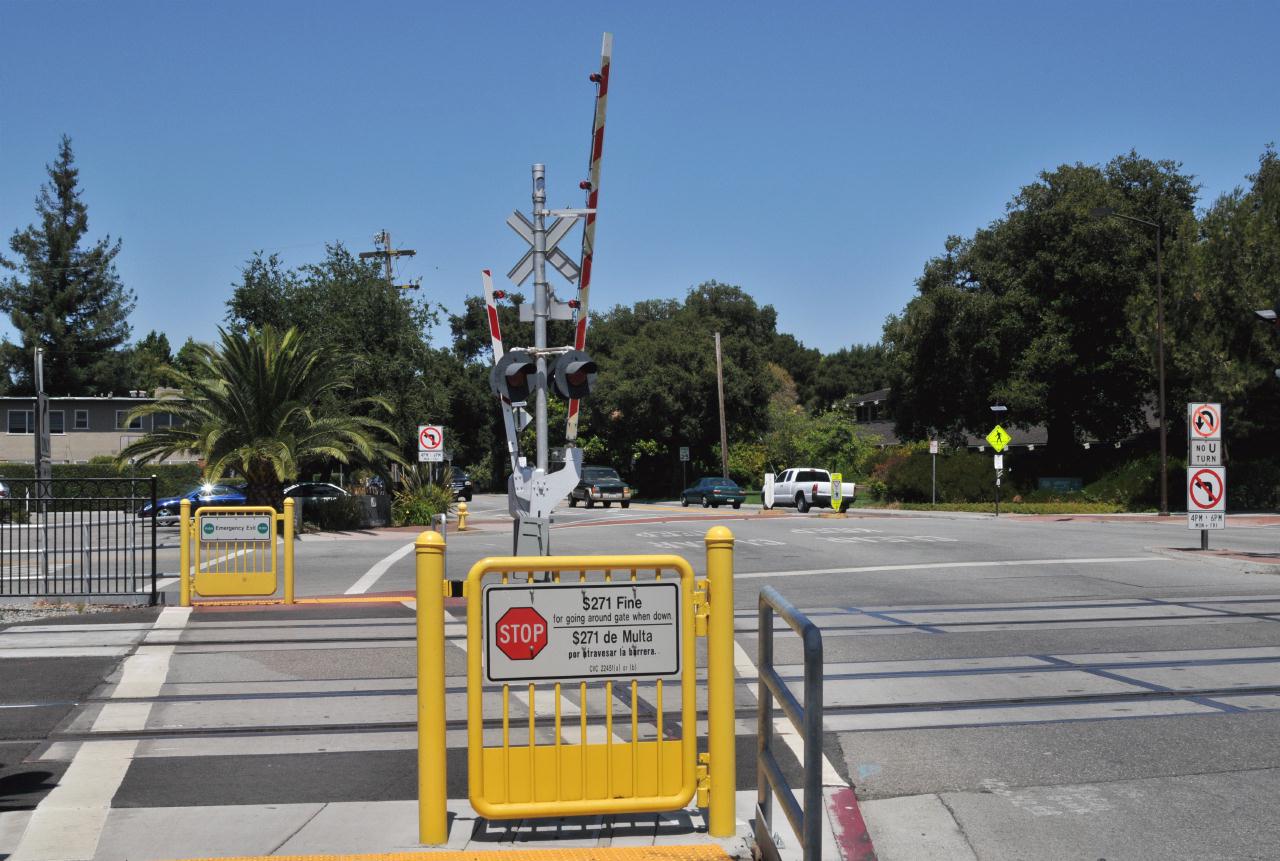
<point>805,488</point>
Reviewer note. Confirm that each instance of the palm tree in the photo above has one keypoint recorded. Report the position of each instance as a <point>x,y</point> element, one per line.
<point>259,405</point>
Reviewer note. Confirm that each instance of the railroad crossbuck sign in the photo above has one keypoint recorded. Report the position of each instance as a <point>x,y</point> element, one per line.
<point>998,438</point>
<point>579,631</point>
<point>430,443</point>
<point>1206,497</point>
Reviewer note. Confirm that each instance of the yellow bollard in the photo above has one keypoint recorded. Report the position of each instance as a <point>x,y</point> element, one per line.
<point>288,551</point>
<point>184,553</point>
<point>433,820</point>
<point>721,739</point>
<point>462,516</point>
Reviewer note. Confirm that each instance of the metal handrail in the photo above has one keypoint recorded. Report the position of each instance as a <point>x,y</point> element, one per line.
<point>806,819</point>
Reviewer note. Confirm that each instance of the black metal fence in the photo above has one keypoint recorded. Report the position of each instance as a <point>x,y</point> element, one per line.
<point>806,818</point>
<point>77,537</point>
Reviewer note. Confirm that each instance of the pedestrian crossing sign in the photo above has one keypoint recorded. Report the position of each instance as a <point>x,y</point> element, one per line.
<point>998,438</point>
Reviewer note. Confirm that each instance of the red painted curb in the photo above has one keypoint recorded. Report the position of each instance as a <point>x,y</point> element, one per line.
<point>853,841</point>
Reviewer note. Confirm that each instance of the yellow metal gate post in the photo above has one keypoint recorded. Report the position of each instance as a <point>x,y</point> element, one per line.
<point>288,550</point>
<point>184,553</point>
<point>433,823</point>
<point>721,740</point>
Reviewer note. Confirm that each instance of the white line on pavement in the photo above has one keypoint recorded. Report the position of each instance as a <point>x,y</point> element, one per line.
<point>68,823</point>
<point>925,566</point>
<point>782,726</point>
<point>366,581</point>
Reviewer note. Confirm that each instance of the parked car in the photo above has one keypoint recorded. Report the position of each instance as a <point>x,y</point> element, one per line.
<point>713,492</point>
<point>600,484</point>
<point>166,510</point>
<point>805,488</point>
<point>4,490</point>
<point>314,490</point>
<point>461,484</point>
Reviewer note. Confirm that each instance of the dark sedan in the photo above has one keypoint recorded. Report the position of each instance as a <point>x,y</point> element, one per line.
<point>713,492</point>
<point>600,484</point>
<point>166,510</point>
<point>461,483</point>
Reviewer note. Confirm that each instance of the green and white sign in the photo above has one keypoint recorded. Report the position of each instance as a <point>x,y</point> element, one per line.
<point>235,527</point>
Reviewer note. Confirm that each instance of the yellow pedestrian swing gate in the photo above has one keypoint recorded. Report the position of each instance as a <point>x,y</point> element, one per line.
<point>235,551</point>
<point>582,688</point>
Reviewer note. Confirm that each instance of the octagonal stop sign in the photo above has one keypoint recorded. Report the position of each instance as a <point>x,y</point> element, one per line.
<point>521,633</point>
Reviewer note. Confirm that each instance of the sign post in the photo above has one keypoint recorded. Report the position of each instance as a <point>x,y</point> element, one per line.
<point>1206,476</point>
<point>684,463</point>
<point>999,440</point>
<point>837,490</point>
<point>933,456</point>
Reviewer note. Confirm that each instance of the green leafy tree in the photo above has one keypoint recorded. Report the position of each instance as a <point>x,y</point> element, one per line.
<point>1047,310</point>
<point>344,305</point>
<point>256,406</point>
<point>151,360</point>
<point>67,298</point>
<point>1220,276</point>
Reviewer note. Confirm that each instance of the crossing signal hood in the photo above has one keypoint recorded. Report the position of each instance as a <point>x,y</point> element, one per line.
<point>574,375</point>
<point>515,377</point>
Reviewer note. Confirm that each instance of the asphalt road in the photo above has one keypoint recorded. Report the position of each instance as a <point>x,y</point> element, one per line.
<point>1011,688</point>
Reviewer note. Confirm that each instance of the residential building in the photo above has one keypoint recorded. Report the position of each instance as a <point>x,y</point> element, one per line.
<point>80,428</point>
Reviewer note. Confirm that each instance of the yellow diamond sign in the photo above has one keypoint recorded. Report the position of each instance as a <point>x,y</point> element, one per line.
<point>998,438</point>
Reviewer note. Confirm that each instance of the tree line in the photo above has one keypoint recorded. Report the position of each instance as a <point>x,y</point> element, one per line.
<point>1049,310</point>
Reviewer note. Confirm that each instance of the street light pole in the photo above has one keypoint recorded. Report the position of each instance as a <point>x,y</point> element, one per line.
<point>1103,212</point>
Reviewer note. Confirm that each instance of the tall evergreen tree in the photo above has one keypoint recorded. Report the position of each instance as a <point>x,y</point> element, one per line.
<point>66,298</point>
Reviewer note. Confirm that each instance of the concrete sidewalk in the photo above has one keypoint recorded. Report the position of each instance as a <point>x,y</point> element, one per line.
<point>272,731</point>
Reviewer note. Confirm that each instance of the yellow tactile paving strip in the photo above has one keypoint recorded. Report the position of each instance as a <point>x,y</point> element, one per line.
<point>704,852</point>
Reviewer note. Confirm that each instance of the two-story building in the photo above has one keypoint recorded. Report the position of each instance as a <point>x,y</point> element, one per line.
<point>80,428</point>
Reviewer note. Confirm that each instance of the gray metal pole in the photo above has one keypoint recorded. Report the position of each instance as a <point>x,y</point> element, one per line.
<point>1164,431</point>
<point>724,430</point>
<point>541,305</point>
<point>933,492</point>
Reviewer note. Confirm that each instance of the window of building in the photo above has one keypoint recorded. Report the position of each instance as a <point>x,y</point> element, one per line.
<point>22,421</point>
<point>161,420</point>
<point>57,421</point>
<point>82,420</point>
<point>121,424</point>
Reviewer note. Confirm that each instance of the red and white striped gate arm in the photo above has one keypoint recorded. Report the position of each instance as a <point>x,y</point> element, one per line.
<point>491,311</point>
<point>589,228</point>
<point>495,335</point>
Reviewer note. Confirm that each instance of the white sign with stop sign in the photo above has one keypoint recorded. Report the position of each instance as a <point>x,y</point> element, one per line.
<point>562,632</point>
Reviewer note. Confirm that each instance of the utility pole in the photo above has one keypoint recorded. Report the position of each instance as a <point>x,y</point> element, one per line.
<point>43,460</point>
<point>724,430</point>
<point>388,255</point>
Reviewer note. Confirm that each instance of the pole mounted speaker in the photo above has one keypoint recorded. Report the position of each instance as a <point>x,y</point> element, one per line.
<point>574,375</point>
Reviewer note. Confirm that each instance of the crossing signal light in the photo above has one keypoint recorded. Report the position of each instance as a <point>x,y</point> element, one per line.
<point>515,377</point>
<point>574,375</point>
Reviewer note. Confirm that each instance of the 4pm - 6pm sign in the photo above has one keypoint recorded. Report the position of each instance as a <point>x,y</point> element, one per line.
<point>235,527</point>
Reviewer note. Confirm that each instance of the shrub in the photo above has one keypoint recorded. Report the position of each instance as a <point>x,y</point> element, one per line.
<point>417,502</point>
<point>336,515</point>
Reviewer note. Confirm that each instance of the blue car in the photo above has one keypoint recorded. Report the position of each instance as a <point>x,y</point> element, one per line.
<point>166,510</point>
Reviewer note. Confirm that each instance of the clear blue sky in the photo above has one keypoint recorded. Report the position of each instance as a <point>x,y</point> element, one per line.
<point>815,154</point>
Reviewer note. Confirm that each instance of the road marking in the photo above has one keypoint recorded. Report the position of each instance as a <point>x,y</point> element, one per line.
<point>782,726</point>
<point>68,823</point>
<point>366,581</point>
<point>925,566</point>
